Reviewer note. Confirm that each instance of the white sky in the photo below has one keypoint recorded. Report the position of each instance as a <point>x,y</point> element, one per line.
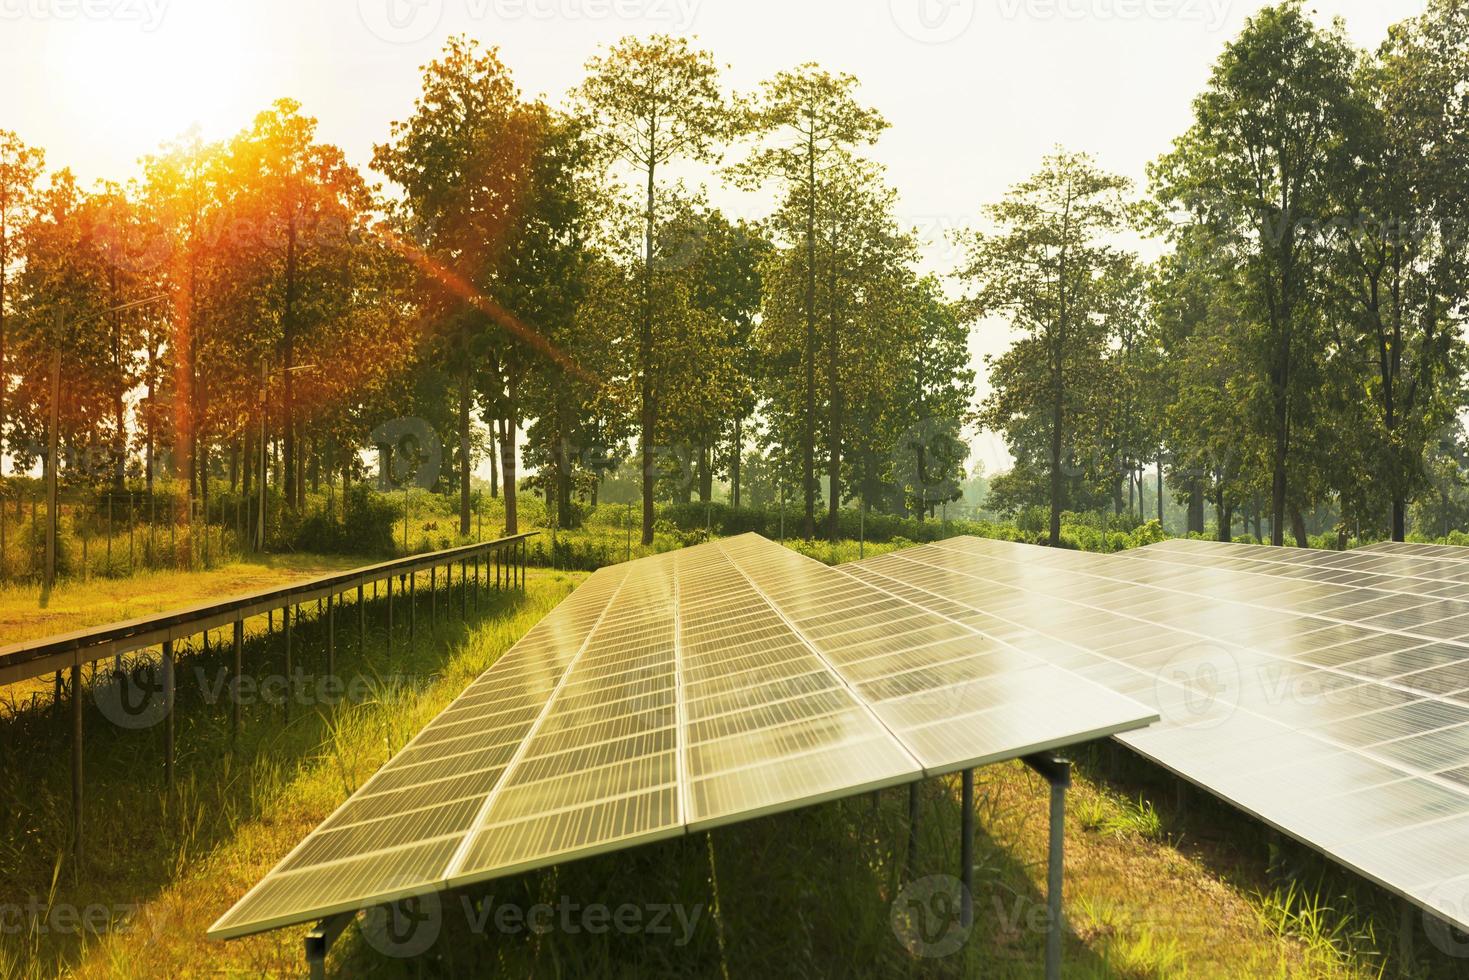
<point>976,90</point>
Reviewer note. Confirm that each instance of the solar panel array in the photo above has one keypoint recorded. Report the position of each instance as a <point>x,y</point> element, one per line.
<point>674,694</point>
<point>1325,695</point>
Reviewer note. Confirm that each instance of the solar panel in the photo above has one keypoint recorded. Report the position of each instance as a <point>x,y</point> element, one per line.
<point>1334,712</point>
<point>675,694</point>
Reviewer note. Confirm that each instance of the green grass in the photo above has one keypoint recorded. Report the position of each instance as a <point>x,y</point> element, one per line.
<point>235,808</point>
<point>1156,887</point>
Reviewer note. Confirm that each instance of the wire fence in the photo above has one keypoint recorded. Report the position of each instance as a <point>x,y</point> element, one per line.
<point>118,533</point>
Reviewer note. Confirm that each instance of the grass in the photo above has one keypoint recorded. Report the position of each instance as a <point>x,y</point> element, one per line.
<point>161,864</point>
<point>1154,889</point>
<point>25,613</point>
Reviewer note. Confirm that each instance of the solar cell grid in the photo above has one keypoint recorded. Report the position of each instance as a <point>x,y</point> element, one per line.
<point>673,694</point>
<point>1326,685</point>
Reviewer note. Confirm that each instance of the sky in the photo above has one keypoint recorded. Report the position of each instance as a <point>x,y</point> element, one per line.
<point>976,91</point>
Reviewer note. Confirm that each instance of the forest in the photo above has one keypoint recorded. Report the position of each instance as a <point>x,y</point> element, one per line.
<point>549,287</point>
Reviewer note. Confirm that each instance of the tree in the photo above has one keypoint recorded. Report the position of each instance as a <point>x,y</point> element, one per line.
<point>809,123</point>
<point>1395,266</point>
<point>651,102</point>
<point>20,169</point>
<point>464,160</point>
<point>1268,132</point>
<point>1045,269</point>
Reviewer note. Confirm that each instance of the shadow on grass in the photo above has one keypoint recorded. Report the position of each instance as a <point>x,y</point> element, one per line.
<point>140,835</point>
<point>808,893</point>
<point>1301,894</point>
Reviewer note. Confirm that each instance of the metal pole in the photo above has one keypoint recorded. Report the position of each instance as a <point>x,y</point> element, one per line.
<point>361,624</point>
<point>76,764</point>
<point>912,829</point>
<point>1058,774</point>
<point>390,615</point>
<point>235,694</point>
<point>168,730</point>
<point>290,680</point>
<point>331,636</point>
<point>966,852</point>
<point>433,596</point>
<point>412,606</point>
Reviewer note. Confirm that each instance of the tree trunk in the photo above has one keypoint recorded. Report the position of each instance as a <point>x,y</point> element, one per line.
<point>288,345</point>
<point>1399,518</point>
<point>494,459</point>
<point>706,473</point>
<point>1162,522</point>
<point>1298,527</point>
<point>734,463</point>
<point>834,392</point>
<point>249,459</point>
<point>507,467</point>
<point>1195,506</point>
<point>464,460</point>
<point>563,470</point>
<point>647,413</point>
<point>808,447</point>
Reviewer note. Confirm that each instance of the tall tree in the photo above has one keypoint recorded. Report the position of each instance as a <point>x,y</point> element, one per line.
<point>652,102</point>
<point>1044,268</point>
<point>1268,132</point>
<point>20,169</point>
<point>808,122</point>
<point>465,159</point>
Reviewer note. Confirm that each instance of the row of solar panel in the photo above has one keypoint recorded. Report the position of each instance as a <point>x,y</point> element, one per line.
<point>1332,709</point>
<point>675,694</point>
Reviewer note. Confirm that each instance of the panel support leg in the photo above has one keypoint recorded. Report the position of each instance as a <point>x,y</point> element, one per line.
<point>390,615</point>
<point>412,607</point>
<point>361,624</point>
<point>331,637</point>
<point>76,764</point>
<point>168,731</point>
<point>290,679</point>
<point>912,830</point>
<point>239,645</point>
<point>966,851</point>
<point>319,941</point>
<point>1058,773</point>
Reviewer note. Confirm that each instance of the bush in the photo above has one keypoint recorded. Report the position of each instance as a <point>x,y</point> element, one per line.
<point>365,526</point>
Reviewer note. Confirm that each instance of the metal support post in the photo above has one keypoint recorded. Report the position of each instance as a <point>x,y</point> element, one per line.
<point>966,851</point>
<point>912,830</point>
<point>76,764</point>
<point>290,679</point>
<point>235,691</point>
<point>168,729</point>
<point>1058,773</point>
<point>319,941</point>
